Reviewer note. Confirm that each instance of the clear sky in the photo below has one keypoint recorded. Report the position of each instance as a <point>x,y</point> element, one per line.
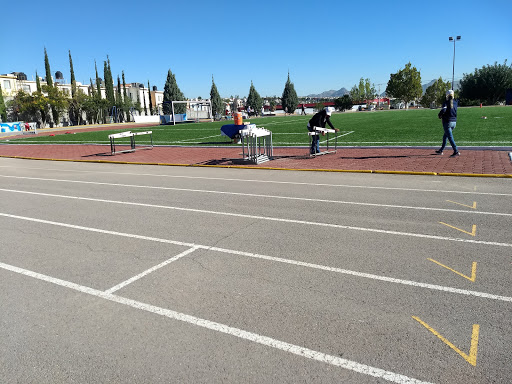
<point>324,45</point>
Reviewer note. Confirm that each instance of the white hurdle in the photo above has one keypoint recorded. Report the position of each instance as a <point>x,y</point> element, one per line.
<point>258,142</point>
<point>131,135</point>
<point>317,131</point>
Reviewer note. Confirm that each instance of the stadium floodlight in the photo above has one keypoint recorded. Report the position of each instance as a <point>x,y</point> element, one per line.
<point>454,39</point>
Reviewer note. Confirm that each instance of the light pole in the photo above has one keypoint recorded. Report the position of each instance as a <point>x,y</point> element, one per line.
<point>453,70</point>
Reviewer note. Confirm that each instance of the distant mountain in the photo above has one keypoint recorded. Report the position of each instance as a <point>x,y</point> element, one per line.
<point>344,91</point>
<point>456,85</point>
<point>331,93</point>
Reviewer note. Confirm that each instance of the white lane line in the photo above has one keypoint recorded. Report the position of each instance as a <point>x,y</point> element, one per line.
<point>225,329</point>
<point>198,138</point>
<point>272,258</point>
<point>260,195</point>
<point>266,181</point>
<point>269,218</point>
<point>150,270</point>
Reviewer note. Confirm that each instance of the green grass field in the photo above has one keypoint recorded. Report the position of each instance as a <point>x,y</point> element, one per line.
<point>419,127</point>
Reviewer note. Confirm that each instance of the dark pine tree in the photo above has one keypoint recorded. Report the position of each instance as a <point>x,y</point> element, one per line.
<point>150,101</point>
<point>216,101</point>
<point>172,93</point>
<point>73,81</point>
<point>49,80</point>
<point>289,101</point>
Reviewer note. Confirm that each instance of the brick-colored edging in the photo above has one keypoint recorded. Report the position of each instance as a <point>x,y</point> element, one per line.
<point>272,168</point>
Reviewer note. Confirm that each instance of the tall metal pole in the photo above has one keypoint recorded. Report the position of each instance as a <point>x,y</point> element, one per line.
<point>453,68</point>
<point>456,38</point>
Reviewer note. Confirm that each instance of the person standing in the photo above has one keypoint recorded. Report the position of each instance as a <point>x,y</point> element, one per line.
<point>448,115</point>
<point>303,109</point>
<point>319,119</point>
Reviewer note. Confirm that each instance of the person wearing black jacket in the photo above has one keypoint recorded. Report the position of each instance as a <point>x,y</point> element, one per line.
<point>448,114</point>
<point>319,119</point>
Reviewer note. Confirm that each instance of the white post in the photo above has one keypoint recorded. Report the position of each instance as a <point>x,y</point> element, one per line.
<point>173,120</point>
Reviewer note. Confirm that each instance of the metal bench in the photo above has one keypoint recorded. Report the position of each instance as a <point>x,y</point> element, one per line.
<point>131,135</point>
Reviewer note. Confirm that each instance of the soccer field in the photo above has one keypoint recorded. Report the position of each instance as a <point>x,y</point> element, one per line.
<point>488,126</point>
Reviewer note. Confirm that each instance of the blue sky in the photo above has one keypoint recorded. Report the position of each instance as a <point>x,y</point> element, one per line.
<point>324,45</point>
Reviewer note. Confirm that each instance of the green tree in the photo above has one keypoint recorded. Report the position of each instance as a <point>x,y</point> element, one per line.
<point>272,104</point>
<point>435,94</point>
<point>72,72</point>
<point>57,100</point>
<point>127,104</point>
<point>289,99</point>
<point>364,91</point>
<point>254,99</point>
<point>75,104</point>
<point>369,91</point>
<point>49,80</point>
<point>405,84</point>
<point>150,100</point>
<point>144,97</point>
<point>109,83</point>
<point>172,93</point>
<point>319,106</point>
<point>53,92</point>
<point>35,107</point>
<point>216,101</point>
<point>98,81</point>
<point>38,83</point>
<point>343,103</point>
<point>487,84</point>
<point>119,95</point>
<point>3,109</point>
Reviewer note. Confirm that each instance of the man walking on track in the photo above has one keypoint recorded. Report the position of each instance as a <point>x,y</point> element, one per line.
<point>319,119</point>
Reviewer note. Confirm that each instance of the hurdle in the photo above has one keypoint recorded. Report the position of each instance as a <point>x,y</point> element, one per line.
<point>258,143</point>
<point>131,135</point>
<point>317,131</point>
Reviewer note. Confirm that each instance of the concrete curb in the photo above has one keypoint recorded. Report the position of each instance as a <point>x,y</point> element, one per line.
<point>271,168</point>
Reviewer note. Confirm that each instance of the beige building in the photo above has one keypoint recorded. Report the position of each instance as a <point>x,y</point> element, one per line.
<point>12,83</point>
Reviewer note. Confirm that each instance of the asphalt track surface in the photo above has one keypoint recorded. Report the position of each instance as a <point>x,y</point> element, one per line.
<point>131,273</point>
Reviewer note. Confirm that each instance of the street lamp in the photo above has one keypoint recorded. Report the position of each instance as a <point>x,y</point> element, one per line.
<point>453,70</point>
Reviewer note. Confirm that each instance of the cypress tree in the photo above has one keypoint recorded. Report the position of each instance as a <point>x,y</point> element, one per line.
<point>289,101</point>
<point>172,93</point>
<point>93,91</point>
<point>150,102</point>
<point>98,82</point>
<point>124,87</point>
<point>254,99</point>
<point>47,68</point>
<point>73,81</point>
<point>145,106</point>
<point>127,102</point>
<point>109,83</point>
<point>216,101</point>
<point>3,110</point>
<point>38,83</point>
<point>119,95</point>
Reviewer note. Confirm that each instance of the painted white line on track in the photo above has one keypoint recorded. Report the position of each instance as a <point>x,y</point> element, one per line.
<point>260,195</point>
<point>269,218</point>
<point>223,328</point>
<point>271,258</point>
<point>198,138</point>
<point>268,181</point>
<point>148,271</point>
